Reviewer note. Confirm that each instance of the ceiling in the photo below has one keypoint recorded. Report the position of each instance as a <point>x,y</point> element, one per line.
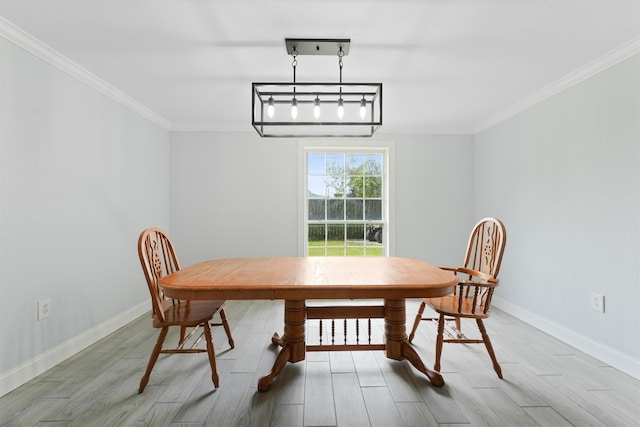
<point>447,66</point>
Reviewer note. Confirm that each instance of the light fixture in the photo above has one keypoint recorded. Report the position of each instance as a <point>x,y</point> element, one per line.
<point>340,100</point>
<point>316,109</point>
<point>270,108</point>
<point>363,108</point>
<point>294,101</point>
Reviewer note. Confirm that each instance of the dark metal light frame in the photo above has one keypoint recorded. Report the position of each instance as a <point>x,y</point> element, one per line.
<point>353,96</point>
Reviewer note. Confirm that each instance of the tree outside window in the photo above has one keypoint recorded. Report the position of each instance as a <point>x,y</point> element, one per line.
<point>345,203</point>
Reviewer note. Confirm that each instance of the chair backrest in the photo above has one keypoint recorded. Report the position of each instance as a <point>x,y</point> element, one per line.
<point>158,258</point>
<point>484,254</point>
<point>486,246</point>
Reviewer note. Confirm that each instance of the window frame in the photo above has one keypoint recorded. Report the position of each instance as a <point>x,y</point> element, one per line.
<point>381,147</point>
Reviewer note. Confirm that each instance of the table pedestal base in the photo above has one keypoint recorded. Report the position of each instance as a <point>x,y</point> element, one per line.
<point>294,348</point>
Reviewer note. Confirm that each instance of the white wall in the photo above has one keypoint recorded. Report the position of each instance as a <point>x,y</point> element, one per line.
<point>80,177</point>
<point>237,195</point>
<point>565,178</point>
<point>434,197</point>
<point>232,195</point>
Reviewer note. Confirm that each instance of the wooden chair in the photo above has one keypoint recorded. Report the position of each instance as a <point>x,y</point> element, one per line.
<point>158,258</point>
<point>472,295</point>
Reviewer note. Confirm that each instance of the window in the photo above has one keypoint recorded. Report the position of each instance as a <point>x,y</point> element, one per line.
<point>346,202</point>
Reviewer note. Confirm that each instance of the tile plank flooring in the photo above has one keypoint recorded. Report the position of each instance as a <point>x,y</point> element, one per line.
<point>546,383</point>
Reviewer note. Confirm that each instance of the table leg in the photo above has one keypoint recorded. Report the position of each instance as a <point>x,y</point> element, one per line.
<point>292,341</point>
<point>397,343</point>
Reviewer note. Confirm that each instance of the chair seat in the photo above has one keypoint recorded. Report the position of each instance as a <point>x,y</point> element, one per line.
<point>188,313</point>
<point>450,305</point>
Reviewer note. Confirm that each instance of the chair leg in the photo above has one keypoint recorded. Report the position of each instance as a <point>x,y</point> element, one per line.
<point>227,329</point>
<point>416,322</point>
<point>212,354</point>
<point>154,357</point>
<point>439,342</point>
<point>487,343</point>
<point>183,333</point>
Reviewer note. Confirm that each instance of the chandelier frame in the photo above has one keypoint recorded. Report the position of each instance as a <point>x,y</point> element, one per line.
<point>351,98</point>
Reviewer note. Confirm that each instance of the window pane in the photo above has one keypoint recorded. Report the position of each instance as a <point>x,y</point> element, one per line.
<point>316,234</point>
<point>315,164</point>
<point>335,235</point>
<point>335,209</point>
<point>354,210</point>
<point>355,186</point>
<point>374,233</point>
<point>373,210</point>
<point>316,209</point>
<point>335,186</point>
<point>335,175</point>
<point>373,186</point>
<point>355,233</point>
<point>355,161</point>
<point>374,251</point>
<point>373,164</point>
<point>316,186</point>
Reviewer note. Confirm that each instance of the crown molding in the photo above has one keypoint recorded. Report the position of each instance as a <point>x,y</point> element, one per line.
<point>423,130</point>
<point>211,127</point>
<point>617,55</point>
<point>34,46</point>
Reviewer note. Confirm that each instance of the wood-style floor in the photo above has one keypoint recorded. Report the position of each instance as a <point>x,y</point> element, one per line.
<point>546,382</point>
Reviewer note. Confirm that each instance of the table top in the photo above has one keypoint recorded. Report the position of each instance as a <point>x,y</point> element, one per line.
<point>301,278</point>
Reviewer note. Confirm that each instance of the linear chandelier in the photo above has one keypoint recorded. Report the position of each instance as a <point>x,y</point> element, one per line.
<point>316,110</point>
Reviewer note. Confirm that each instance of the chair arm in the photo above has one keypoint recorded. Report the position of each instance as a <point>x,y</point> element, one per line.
<point>483,284</point>
<point>490,280</point>
<point>475,273</point>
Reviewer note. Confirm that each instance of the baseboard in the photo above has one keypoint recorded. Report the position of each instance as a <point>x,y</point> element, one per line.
<point>30,369</point>
<point>608,355</point>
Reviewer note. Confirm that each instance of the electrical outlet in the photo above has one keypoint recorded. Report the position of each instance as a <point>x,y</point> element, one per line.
<point>44,308</point>
<point>597,302</point>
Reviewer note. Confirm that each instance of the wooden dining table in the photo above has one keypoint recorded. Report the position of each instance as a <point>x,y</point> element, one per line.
<point>297,280</point>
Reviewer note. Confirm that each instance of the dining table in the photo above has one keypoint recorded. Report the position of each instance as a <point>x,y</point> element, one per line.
<point>299,280</point>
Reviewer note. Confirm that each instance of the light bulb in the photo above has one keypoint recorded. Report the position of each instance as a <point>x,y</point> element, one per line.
<point>294,108</point>
<point>363,108</point>
<point>270,108</point>
<point>340,108</point>
<point>316,108</point>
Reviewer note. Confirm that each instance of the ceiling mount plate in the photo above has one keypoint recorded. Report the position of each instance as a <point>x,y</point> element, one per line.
<point>317,46</point>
